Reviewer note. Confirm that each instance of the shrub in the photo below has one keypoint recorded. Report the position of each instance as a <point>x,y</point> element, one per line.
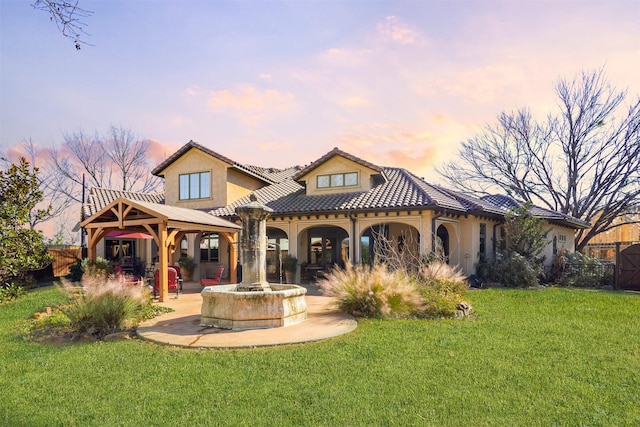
<point>10,291</point>
<point>99,308</point>
<point>187,265</point>
<point>99,270</point>
<point>290,263</point>
<point>514,270</point>
<point>443,288</point>
<point>372,291</point>
<point>75,272</point>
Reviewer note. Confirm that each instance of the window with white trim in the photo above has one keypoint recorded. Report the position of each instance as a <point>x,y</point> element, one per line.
<point>195,186</point>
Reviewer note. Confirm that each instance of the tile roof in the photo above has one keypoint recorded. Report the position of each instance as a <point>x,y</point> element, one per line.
<point>190,216</point>
<point>98,198</point>
<point>400,190</point>
<point>275,175</point>
<point>506,202</point>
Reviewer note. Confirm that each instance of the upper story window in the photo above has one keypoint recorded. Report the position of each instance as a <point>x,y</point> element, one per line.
<point>195,186</point>
<point>349,179</point>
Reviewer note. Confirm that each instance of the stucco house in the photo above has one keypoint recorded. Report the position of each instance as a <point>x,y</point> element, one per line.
<point>326,213</point>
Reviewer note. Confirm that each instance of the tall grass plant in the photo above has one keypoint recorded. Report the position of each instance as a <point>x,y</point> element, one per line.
<point>372,291</point>
<point>102,307</point>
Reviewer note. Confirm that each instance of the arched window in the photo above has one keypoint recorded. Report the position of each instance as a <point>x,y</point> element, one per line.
<point>209,248</point>
<point>184,247</point>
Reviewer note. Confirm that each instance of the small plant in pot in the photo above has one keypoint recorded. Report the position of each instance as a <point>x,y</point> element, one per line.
<point>187,266</point>
<point>290,265</point>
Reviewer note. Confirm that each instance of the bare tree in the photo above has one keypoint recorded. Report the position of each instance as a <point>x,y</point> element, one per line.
<point>117,161</point>
<point>129,155</point>
<point>68,17</point>
<point>582,161</point>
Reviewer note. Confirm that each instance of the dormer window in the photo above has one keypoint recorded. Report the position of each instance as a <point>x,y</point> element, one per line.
<point>349,179</point>
<point>195,186</point>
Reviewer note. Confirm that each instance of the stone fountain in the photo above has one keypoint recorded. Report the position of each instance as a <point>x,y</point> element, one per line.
<point>254,303</point>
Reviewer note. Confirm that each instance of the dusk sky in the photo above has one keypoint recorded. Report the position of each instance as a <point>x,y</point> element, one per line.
<point>398,83</point>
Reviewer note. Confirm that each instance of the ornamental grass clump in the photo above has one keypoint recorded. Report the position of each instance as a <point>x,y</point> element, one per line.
<point>372,291</point>
<point>443,289</point>
<point>100,307</point>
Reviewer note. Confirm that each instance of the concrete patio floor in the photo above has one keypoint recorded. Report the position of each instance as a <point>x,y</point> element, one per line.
<point>182,326</point>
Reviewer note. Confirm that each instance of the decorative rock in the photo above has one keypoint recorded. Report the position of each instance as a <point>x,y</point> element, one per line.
<point>463,309</point>
<point>122,335</point>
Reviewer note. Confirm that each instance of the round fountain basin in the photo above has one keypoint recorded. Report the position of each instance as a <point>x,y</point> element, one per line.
<point>224,307</point>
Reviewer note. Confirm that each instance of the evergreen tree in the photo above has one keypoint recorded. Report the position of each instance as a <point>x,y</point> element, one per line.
<point>21,247</point>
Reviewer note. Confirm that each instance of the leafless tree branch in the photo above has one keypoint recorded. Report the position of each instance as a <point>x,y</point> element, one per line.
<point>68,17</point>
<point>581,161</point>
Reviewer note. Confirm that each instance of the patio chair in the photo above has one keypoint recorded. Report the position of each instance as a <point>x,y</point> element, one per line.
<point>173,281</point>
<point>206,281</point>
<point>179,275</point>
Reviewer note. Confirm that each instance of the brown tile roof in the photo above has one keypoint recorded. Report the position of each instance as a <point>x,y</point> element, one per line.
<point>507,202</point>
<point>399,190</point>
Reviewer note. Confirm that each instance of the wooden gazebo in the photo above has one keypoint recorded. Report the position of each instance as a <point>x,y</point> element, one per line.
<point>166,224</point>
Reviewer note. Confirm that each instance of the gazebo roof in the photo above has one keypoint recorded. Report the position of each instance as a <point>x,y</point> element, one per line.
<point>126,213</point>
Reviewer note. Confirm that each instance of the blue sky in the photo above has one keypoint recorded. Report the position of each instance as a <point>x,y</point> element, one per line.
<point>399,83</point>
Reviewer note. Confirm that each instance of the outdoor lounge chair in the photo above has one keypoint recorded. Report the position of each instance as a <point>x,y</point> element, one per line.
<point>177,268</point>
<point>173,281</point>
<point>206,281</point>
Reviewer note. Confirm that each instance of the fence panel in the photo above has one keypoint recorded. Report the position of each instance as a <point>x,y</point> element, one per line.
<point>590,275</point>
<point>64,256</point>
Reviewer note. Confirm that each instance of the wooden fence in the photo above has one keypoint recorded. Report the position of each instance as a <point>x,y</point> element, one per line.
<point>64,256</point>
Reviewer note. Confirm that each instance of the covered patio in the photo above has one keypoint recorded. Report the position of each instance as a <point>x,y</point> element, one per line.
<point>167,225</point>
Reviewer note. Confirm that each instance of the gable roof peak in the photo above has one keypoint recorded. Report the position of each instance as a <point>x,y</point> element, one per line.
<point>336,152</point>
<point>157,171</point>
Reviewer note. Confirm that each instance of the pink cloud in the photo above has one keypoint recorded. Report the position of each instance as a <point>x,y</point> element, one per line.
<point>356,101</point>
<point>345,57</point>
<point>159,151</point>
<point>395,31</point>
<point>250,98</point>
<point>252,105</point>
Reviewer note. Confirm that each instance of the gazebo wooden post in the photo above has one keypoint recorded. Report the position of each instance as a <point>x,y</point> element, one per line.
<point>163,258</point>
<point>91,247</point>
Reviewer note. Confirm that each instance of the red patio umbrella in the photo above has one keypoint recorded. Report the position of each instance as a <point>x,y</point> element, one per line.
<point>128,235</point>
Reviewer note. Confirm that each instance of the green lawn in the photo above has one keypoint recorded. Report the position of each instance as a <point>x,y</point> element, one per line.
<point>530,357</point>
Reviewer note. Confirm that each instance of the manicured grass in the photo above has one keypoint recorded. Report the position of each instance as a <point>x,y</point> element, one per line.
<point>530,357</point>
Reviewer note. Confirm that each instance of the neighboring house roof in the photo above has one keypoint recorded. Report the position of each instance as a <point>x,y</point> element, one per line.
<point>335,152</point>
<point>267,175</point>
<point>507,202</point>
<point>98,198</point>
